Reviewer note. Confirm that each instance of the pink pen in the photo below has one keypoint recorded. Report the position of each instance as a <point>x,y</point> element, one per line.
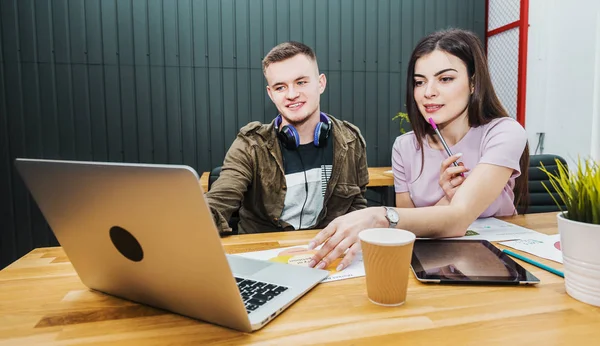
<point>435,128</point>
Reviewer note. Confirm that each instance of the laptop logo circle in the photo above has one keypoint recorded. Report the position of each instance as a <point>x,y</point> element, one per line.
<point>126,244</point>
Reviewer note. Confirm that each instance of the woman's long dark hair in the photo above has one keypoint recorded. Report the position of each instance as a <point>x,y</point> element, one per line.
<point>484,105</point>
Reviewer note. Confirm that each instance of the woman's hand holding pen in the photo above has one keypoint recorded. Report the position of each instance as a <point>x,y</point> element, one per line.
<point>451,177</point>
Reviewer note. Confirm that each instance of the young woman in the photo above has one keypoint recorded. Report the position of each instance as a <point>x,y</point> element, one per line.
<point>448,82</point>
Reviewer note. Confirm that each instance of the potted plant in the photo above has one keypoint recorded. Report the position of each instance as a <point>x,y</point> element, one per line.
<point>579,227</point>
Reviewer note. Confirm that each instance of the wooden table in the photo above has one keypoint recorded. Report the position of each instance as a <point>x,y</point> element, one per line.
<point>380,176</point>
<point>377,177</point>
<point>43,302</point>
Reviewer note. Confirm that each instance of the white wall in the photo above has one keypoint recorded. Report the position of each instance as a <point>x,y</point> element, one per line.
<point>562,95</point>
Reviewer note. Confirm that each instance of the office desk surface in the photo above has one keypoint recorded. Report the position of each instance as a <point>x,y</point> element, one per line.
<point>377,177</point>
<point>42,301</point>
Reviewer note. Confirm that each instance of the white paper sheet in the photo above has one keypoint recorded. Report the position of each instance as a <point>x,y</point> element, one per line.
<point>300,255</point>
<point>545,246</point>
<point>492,229</point>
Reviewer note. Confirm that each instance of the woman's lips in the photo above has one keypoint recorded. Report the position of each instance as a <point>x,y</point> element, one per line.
<point>433,108</point>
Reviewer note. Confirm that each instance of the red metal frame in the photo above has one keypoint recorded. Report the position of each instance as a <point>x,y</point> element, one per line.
<point>523,25</point>
<point>522,79</point>
<point>504,28</point>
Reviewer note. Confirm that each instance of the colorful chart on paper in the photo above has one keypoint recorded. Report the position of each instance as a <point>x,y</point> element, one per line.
<point>301,255</point>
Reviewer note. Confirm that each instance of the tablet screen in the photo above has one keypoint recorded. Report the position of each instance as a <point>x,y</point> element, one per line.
<point>465,261</point>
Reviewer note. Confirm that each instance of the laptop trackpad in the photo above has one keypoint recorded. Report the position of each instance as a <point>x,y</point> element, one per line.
<point>246,266</point>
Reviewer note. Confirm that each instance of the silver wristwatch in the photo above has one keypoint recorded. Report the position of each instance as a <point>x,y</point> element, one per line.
<point>392,216</point>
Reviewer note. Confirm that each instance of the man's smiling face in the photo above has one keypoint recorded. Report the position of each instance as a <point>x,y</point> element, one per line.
<point>295,87</point>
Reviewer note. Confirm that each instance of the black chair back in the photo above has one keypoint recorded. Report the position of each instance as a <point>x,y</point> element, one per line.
<point>213,176</point>
<point>540,200</point>
<point>235,217</point>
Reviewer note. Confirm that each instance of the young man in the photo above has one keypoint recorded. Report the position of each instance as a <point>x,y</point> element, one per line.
<point>303,169</point>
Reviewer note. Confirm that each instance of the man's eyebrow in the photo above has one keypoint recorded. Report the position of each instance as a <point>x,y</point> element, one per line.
<point>282,83</point>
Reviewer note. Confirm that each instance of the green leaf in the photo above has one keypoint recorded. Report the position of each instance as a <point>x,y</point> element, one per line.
<point>403,118</point>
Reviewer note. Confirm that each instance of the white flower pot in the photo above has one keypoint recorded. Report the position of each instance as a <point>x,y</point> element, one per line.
<point>580,245</point>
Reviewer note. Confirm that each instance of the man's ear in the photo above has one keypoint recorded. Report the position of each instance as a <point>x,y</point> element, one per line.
<point>322,83</point>
<point>270,93</point>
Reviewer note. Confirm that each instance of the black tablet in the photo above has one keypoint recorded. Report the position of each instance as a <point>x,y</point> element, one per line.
<point>466,262</point>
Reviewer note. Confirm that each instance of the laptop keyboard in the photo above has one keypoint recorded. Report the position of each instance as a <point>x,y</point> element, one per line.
<point>257,293</point>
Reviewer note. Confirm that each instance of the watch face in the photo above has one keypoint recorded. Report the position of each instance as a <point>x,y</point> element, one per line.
<point>392,215</point>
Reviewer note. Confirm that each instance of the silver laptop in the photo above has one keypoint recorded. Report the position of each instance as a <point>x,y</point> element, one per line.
<point>145,233</point>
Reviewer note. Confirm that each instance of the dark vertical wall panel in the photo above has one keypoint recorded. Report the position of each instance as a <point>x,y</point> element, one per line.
<point>80,85</point>
<point>77,34</point>
<point>441,13</point>
<point>98,121</point>
<point>201,82</point>
<point>62,78</point>
<point>27,38</point>
<point>334,58</point>
<point>296,20</point>
<point>215,79</point>
<point>309,33</point>
<point>346,64</point>
<point>451,9</point>
<point>408,42</point>
<point>173,81</point>
<point>321,46</point>
<point>10,80</point>
<point>268,35</point>
<point>282,20</point>
<point>199,32</point>
<point>184,34</point>
<point>186,77</point>
<point>228,26</point>
<point>7,247</point>
<point>394,94</point>
<point>141,56</point>
<point>257,81</point>
<point>370,95</point>
<point>431,13</point>
<point>157,80</point>
<point>358,70</point>
<point>462,13</point>
<point>419,27</point>
<point>112,85</point>
<point>243,63</point>
<point>127,80</point>
<point>93,30</point>
<point>1,45</point>
<point>383,82</point>
<point>478,24</point>
<point>81,111</point>
<point>14,80</point>
<point>43,28</point>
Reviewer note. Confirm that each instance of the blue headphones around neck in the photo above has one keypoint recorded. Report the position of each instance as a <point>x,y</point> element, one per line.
<point>289,137</point>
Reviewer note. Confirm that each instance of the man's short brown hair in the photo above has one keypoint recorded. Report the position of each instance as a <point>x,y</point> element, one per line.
<point>286,50</point>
